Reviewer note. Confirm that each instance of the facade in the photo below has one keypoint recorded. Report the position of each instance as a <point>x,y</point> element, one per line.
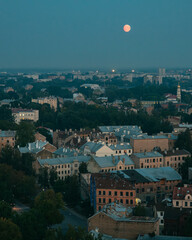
<point>64,167</point>
<point>20,114</point>
<point>148,160</point>
<point>52,101</point>
<point>108,139</point>
<point>146,143</point>
<point>109,187</point>
<point>121,149</point>
<point>7,138</point>
<point>116,220</point>
<point>175,158</point>
<point>109,163</point>
<point>182,197</point>
<point>153,183</point>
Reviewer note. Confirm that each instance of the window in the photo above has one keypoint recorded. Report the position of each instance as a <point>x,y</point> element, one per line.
<point>153,159</point>
<point>131,194</point>
<point>121,193</point>
<point>186,204</point>
<point>99,208</point>
<point>151,189</point>
<point>166,187</point>
<point>160,159</point>
<point>190,204</point>
<point>103,200</point>
<point>99,192</point>
<point>162,221</point>
<point>103,192</point>
<point>127,201</point>
<point>109,192</point>
<point>131,202</point>
<point>115,193</point>
<point>161,213</point>
<point>109,200</point>
<point>99,200</point>
<point>177,203</point>
<point>143,190</point>
<point>121,201</point>
<point>137,190</point>
<point>127,194</point>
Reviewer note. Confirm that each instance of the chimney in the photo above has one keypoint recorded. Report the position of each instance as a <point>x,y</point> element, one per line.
<point>124,161</point>
<point>29,146</point>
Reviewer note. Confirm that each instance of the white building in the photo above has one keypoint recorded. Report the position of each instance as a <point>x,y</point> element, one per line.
<point>20,114</point>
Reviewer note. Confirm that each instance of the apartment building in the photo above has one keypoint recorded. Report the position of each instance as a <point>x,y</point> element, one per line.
<point>153,183</point>
<point>7,138</point>
<point>110,163</point>
<point>52,101</point>
<point>148,159</point>
<point>182,197</point>
<point>146,143</point>
<point>64,167</point>
<point>175,158</point>
<point>117,221</point>
<point>109,187</point>
<point>20,114</point>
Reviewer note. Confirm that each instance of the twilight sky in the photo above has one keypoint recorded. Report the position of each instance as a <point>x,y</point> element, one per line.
<point>77,34</point>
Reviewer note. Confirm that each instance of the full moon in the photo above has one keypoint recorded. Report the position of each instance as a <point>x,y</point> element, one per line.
<point>127,28</point>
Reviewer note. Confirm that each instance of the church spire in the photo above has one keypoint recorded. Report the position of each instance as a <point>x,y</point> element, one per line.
<point>178,93</point>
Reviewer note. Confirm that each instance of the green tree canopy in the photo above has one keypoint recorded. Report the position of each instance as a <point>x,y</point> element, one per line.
<point>25,133</point>
<point>9,230</point>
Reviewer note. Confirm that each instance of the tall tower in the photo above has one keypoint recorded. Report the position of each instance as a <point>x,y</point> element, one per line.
<point>178,93</point>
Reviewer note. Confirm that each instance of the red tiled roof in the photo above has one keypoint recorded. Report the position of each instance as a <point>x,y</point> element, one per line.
<point>179,193</point>
<point>111,181</point>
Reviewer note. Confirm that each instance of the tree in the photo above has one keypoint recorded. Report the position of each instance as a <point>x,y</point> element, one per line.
<point>52,176</point>
<point>69,188</point>
<point>83,168</point>
<point>184,168</point>
<point>5,210</point>
<point>188,228</point>
<point>13,157</point>
<point>43,177</point>
<point>184,141</point>
<point>25,133</point>
<point>9,230</point>
<point>32,225</point>
<point>48,204</point>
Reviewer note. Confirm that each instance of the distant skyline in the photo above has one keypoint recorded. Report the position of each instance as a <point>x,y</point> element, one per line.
<point>87,34</point>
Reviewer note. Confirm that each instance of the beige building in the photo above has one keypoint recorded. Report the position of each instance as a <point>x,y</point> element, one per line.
<point>64,166</point>
<point>182,197</point>
<point>117,221</point>
<point>146,143</point>
<point>52,101</point>
<point>148,160</point>
<point>175,158</point>
<point>109,163</point>
<point>7,138</point>
<point>20,114</point>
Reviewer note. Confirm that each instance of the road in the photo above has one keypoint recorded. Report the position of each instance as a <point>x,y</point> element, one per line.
<point>72,218</point>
